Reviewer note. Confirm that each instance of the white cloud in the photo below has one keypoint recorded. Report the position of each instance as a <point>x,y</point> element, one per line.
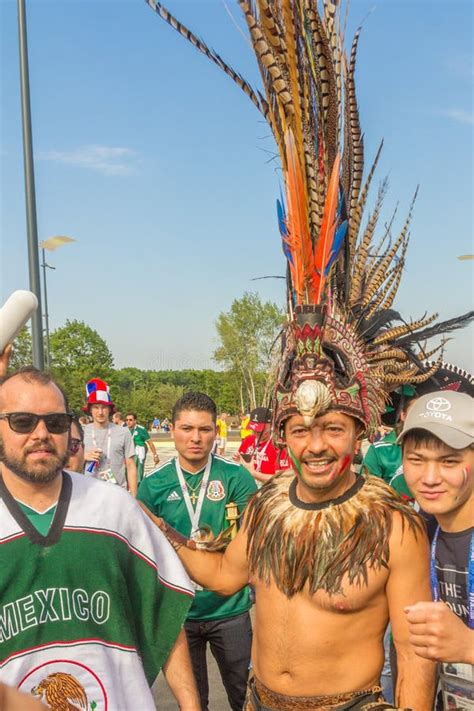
<point>459,115</point>
<point>103,159</point>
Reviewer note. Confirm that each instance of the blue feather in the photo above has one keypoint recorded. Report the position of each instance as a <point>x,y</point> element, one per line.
<point>336,245</point>
<point>283,230</point>
<point>340,233</point>
<point>281,219</point>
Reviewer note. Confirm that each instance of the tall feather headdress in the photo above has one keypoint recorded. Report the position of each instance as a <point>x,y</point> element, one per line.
<point>345,346</point>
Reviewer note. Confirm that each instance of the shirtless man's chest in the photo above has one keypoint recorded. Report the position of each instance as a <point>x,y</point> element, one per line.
<point>320,644</point>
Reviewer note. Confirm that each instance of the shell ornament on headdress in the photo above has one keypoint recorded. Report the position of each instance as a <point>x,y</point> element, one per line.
<point>342,335</point>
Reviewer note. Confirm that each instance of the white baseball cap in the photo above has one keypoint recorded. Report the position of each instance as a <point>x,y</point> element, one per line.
<point>446,414</point>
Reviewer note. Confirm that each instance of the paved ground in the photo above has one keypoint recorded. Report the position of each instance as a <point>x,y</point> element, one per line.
<point>217,696</point>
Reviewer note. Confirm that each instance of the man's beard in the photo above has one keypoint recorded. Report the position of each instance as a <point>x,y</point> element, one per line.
<point>37,472</point>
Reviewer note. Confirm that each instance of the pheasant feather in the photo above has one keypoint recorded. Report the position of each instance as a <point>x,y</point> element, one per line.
<point>328,228</point>
<point>342,279</point>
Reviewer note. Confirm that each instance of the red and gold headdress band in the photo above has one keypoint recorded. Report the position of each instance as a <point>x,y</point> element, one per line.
<point>344,346</point>
<point>324,368</point>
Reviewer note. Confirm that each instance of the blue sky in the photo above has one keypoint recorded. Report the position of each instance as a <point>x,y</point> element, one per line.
<point>158,165</point>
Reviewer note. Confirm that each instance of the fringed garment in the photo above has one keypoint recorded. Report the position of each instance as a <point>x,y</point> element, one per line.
<point>293,544</point>
<point>260,698</point>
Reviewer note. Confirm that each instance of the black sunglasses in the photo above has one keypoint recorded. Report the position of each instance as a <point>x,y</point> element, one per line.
<point>26,422</point>
<point>75,445</point>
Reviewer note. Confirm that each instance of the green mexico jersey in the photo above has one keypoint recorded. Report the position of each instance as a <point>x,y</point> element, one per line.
<point>41,520</point>
<point>140,435</point>
<point>90,605</point>
<point>228,482</point>
<point>384,459</point>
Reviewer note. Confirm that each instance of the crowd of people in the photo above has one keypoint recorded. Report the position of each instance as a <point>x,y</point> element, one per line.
<point>110,604</point>
<point>160,425</point>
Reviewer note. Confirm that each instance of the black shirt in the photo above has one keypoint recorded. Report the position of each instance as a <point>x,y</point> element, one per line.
<point>452,556</point>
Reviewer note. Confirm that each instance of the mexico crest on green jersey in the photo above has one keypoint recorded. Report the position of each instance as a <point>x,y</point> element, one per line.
<point>215,490</point>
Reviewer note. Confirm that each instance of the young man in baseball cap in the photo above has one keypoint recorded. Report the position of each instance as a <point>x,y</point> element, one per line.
<point>257,453</point>
<point>438,463</point>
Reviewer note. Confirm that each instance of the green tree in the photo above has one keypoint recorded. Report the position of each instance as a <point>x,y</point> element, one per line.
<point>147,402</point>
<point>79,353</point>
<point>126,380</point>
<point>249,348</point>
<point>217,384</point>
<point>22,350</point>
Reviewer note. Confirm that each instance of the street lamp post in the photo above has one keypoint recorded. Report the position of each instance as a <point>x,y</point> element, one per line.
<point>50,244</point>
<point>33,255</point>
<point>45,266</point>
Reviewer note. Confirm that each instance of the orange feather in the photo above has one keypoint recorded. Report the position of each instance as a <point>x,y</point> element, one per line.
<point>299,236</point>
<point>328,227</point>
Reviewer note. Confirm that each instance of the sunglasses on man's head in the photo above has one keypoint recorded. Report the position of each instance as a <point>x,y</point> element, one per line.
<point>26,422</point>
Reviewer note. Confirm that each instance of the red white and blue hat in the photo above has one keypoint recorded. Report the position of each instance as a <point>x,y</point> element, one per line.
<point>97,392</point>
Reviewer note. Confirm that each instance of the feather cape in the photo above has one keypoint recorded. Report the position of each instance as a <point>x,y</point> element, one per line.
<point>293,547</point>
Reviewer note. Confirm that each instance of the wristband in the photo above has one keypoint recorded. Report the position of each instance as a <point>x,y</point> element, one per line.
<point>176,539</point>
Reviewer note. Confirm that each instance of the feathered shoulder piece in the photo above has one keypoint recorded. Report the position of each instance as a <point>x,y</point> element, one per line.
<point>284,540</point>
<point>342,279</point>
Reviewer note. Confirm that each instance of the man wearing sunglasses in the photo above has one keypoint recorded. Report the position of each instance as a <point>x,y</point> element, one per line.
<point>75,462</point>
<point>92,601</point>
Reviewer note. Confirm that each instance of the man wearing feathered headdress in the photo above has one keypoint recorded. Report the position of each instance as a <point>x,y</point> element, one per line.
<point>332,556</point>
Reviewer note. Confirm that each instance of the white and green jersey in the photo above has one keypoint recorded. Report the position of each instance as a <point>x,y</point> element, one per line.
<point>140,437</point>
<point>89,612</point>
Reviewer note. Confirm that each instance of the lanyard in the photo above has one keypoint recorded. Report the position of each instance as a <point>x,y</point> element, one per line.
<point>107,456</point>
<point>194,515</point>
<point>470,577</point>
<point>91,467</point>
